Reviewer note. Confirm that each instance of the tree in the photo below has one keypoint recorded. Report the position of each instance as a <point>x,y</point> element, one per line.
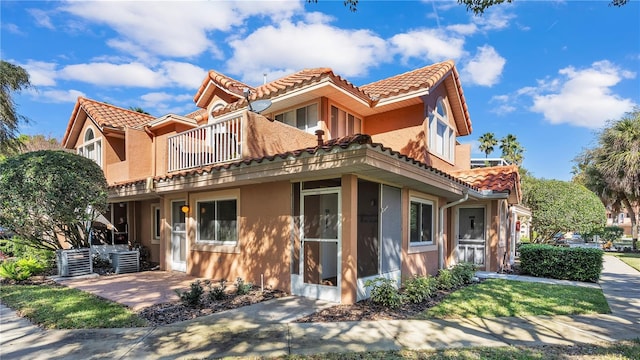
<point>512,151</point>
<point>612,169</point>
<point>27,143</point>
<point>12,78</point>
<point>351,4</point>
<point>562,206</point>
<point>48,197</point>
<point>138,109</point>
<point>487,142</point>
<point>478,7</point>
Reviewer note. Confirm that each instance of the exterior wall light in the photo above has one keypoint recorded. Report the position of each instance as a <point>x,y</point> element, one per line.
<point>184,209</point>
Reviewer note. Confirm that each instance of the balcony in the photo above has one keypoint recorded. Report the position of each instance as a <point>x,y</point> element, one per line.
<point>207,145</point>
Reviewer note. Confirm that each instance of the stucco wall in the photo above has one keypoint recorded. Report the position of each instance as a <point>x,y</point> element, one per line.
<point>264,238</point>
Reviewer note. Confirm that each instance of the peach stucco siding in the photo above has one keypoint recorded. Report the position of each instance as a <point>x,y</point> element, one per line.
<point>264,244</point>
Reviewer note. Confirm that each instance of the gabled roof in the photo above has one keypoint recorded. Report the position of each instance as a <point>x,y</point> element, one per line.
<point>417,79</point>
<point>494,178</point>
<point>412,83</point>
<point>105,115</point>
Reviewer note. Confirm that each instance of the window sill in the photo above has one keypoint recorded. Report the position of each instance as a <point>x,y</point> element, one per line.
<point>217,246</point>
<point>422,247</point>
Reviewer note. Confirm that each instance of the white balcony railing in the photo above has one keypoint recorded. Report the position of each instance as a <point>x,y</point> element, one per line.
<point>206,145</point>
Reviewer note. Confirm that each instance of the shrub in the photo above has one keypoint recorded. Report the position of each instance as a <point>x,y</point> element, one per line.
<point>446,280</point>
<point>11,270</point>
<point>33,265</point>
<point>384,292</point>
<point>463,273</point>
<point>243,288</point>
<point>216,292</point>
<point>191,297</point>
<point>419,288</point>
<point>580,264</point>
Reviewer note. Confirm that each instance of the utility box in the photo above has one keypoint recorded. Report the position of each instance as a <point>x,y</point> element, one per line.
<point>125,261</point>
<point>74,262</point>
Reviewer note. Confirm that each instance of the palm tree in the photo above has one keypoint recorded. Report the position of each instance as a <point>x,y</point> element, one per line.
<point>487,142</point>
<point>618,160</point>
<point>512,151</point>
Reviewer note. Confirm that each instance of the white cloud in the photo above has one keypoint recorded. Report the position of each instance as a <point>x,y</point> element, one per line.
<point>134,74</point>
<point>12,28</point>
<point>432,44</point>
<point>41,18</point>
<point>184,74</point>
<point>496,18</point>
<point>463,29</point>
<point>175,29</point>
<point>106,74</point>
<point>504,104</point>
<point>583,97</point>
<point>161,103</point>
<point>291,47</point>
<point>41,73</point>
<point>58,96</point>
<point>484,68</point>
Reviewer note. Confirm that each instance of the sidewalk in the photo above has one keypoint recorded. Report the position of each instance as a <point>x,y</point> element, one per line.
<point>266,329</point>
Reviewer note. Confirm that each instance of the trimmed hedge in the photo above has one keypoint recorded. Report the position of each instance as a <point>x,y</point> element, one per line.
<point>579,264</point>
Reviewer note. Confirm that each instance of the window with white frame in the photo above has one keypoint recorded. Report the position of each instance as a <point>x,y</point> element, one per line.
<point>343,123</point>
<point>92,147</point>
<point>304,118</point>
<point>217,221</point>
<point>442,136</point>
<point>155,223</point>
<point>421,222</point>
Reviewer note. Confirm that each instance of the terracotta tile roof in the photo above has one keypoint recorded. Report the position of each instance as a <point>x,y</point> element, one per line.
<point>326,147</point>
<point>291,82</point>
<point>230,85</point>
<point>106,115</point>
<point>422,78</point>
<point>495,178</point>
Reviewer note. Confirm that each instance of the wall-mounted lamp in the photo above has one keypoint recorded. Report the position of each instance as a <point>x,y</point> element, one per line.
<point>184,209</point>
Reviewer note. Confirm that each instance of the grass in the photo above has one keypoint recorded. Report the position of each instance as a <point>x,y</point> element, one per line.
<point>603,351</point>
<point>59,307</point>
<point>631,259</point>
<point>497,297</point>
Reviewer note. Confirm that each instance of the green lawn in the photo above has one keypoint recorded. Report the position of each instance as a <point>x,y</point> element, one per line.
<point>632,259</point>
<point>497,297</point>
<point>59,307</point>
<point>604,351</point>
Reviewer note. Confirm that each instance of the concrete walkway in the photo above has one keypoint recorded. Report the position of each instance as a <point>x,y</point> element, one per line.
<point>266,329</point>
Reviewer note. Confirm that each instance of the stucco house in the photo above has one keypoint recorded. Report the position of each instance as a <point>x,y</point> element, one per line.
<point>308,183</point>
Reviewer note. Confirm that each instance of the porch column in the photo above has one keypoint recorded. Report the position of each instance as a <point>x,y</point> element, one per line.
<point>349,291</point>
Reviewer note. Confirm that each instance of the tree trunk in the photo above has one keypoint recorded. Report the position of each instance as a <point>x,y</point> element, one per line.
<point>634,214</point>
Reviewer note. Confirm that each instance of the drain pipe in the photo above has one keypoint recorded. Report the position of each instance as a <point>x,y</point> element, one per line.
<point>441,227</point>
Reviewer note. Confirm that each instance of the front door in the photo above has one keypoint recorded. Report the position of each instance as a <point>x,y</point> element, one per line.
<point>178,237</point>
<point>471,235</point>
<point>320,245</point>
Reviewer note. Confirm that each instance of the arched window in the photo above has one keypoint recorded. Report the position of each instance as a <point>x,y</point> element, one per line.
<point>92,147</point>
<point>442,137</point>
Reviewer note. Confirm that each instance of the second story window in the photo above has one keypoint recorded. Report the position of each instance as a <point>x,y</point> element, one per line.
<point>304,118</point>
<point>92,147</point>
<point>343,123</point>
<point>442,136</point>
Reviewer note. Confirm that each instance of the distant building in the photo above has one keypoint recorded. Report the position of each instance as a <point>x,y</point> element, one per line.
<point>484,162</point>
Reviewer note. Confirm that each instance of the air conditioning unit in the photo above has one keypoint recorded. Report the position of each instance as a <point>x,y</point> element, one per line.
<point>74,262</point>
<point>125,261</point>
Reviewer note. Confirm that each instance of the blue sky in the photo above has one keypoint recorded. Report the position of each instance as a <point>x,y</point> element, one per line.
<point>550,72</point>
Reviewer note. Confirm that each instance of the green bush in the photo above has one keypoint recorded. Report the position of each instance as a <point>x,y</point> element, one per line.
<point>446,280</point>
<point>15,247</point>
<point>33,265</point>
<point>216,292</point>
<point>243,288</point>
<point>419,288</point>
<point>384,292</point>
<point>579,264</point>
<point>463,273</point>
<point>11,270</point>
<point>192,297</point>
